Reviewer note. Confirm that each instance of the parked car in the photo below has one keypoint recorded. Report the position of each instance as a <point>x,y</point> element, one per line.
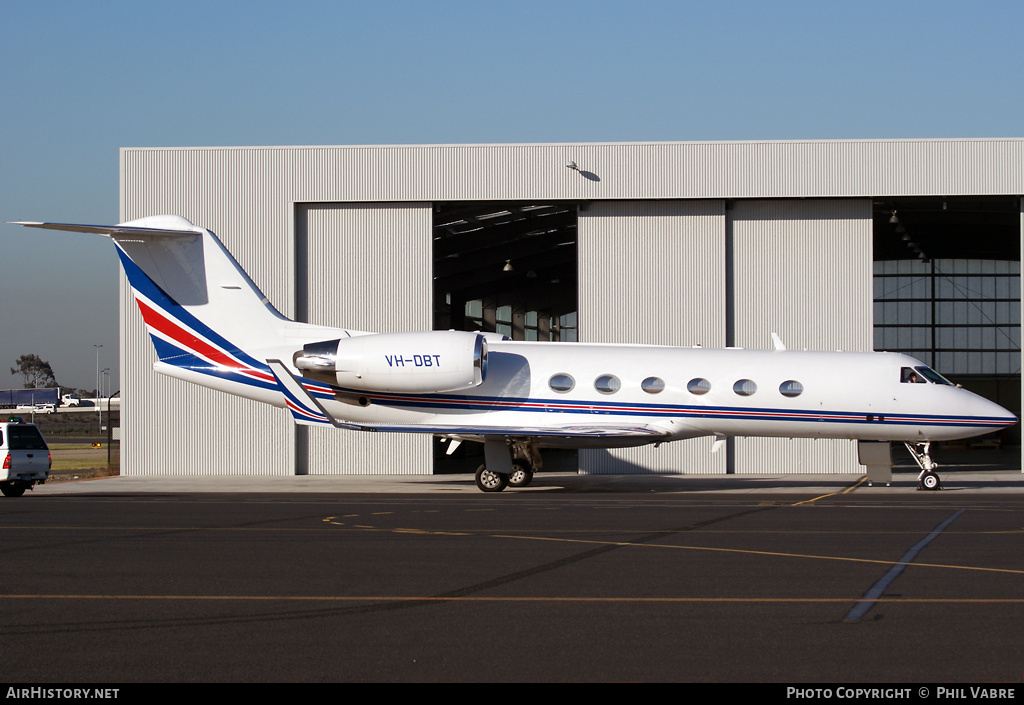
<point>38,408</point>
<point>26,457</point>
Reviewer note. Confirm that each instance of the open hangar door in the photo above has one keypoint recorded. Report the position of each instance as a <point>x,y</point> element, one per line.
<point>509,268</point>
<point>947,291</point>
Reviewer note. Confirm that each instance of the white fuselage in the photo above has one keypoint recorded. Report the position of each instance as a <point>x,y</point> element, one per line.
<point>841,395</point>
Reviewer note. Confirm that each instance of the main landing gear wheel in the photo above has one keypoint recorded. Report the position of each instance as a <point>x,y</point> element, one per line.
<point>930,481</point>
<point>521,475</point>
<point>489,481</point>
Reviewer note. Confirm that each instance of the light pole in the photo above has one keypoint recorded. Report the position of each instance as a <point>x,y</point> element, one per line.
<point>105,379</point>
<point>99,415</point>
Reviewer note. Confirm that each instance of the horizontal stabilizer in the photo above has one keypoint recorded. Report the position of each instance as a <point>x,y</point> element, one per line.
<point>158,226</point>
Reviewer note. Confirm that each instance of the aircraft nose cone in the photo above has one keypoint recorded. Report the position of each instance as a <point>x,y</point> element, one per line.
<point>998,415</point>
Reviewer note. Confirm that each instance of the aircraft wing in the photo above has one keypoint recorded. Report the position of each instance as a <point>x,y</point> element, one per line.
<point>597,431</point>
<point>307,410</point>
<point>569,436</point>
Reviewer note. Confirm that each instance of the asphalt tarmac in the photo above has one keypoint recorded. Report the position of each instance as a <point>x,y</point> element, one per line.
<point>790,579</point>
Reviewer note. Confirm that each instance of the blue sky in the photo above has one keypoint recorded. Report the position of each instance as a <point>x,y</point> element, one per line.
<point>80,80</point>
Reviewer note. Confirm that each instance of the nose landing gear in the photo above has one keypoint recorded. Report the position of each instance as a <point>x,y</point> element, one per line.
<point>928,479</point>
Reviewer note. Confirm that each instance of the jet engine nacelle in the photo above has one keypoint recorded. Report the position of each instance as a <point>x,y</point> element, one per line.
<point>427,362</point>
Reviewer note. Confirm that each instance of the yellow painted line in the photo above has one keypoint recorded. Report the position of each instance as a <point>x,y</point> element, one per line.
<point>849,489</point>
<point>774,554</point>
<point>332,521</point>
<point>855,485</point>
<point>534,598</point>
<point>167,528</point>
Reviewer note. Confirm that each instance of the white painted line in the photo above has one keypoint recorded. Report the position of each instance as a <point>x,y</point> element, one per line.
<point>868,600</point>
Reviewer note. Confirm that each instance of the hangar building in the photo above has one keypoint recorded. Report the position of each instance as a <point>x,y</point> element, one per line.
<point>904,245</point>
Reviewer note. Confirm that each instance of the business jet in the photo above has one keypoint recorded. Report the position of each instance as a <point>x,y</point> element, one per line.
<point>212,326</point>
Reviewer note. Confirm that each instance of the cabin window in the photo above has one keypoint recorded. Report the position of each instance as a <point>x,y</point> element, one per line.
<point>909,376</point>
<point>653,385</point>
<point>562,383</point>
<point>698,385</point>
<point>607,384</point>
<point>791,388</point>
<point>744,387</point>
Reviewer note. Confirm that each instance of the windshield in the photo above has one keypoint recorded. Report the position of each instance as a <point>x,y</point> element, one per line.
<point>933,376</point>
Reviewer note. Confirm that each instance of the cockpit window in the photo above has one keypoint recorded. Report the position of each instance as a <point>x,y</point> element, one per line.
<point>933,376</point>
<point>922,375</point>
<point>909,376</point>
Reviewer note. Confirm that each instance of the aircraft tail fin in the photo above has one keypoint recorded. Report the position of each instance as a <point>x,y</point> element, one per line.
<point>195,299</point>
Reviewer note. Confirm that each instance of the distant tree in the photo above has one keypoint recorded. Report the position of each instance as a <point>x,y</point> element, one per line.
<point>37,373</point>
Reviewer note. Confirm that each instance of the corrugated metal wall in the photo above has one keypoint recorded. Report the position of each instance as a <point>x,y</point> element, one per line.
<point>169,426</point>
<point>653,272</point>
<point>368,268</point>
<point>803,270</point>
<point>225,177</point>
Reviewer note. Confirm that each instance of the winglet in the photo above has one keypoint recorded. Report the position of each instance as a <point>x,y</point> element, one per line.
<point>777,342</point>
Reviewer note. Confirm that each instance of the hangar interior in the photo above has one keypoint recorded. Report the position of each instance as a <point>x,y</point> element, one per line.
<point>506,267</point>
<point>509,268</point>
<point>947,290</point>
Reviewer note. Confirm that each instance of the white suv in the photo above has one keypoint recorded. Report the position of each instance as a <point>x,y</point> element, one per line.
<point>25,456</point>
<point>38,408</point>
